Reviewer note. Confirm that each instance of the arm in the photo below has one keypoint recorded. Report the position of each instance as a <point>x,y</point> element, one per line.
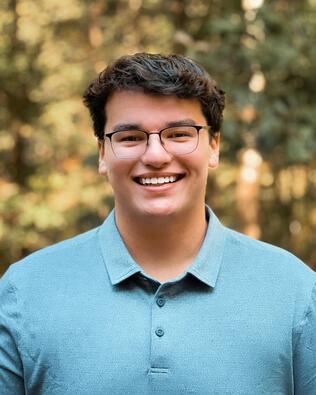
<point>11,369</point>
<point>305,351</point>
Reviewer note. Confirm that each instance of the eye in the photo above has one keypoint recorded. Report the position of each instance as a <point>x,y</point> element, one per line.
<point>180,133</point>
<point>129,136</point>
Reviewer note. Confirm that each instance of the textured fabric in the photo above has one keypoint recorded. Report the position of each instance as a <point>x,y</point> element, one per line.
<point>82,318</point>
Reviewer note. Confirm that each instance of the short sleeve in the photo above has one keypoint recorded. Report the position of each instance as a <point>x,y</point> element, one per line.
<point>11,370</point>
<point>305,351</point>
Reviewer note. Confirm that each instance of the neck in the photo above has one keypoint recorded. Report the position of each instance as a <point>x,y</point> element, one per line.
<point>163,247</point>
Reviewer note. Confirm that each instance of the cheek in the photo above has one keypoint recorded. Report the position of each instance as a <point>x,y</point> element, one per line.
<point>200,161</point>
<point>118,173</point>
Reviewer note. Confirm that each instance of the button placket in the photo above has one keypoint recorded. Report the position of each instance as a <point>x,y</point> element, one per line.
<point>159,332</point>
<point>161,300</point>
<point>159,344</point>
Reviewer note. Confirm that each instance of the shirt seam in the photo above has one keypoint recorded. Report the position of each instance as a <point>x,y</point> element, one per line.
<point>18,311</point>
<point>18,317</point>
<point>298,329</point>
<point>123,276</point>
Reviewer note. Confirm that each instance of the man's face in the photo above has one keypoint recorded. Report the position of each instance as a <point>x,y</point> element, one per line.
<point>153,113</point>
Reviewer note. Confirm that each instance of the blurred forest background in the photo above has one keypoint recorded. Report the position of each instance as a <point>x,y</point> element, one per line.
<point>262,53</point>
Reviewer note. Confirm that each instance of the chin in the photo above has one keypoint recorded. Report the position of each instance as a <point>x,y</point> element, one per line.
<point>159,210</point>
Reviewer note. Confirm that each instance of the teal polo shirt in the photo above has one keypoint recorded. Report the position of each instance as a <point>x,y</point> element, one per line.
<point>82,318</point>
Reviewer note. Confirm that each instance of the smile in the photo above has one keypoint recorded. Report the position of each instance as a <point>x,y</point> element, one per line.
<point>157,180</point>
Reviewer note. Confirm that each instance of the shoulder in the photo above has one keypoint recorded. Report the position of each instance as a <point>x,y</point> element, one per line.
<point>266,256</point>
<point>53,260</point>
<point>275,271</point>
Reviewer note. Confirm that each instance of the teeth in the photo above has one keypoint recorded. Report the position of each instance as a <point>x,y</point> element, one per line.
<point>158,180</point>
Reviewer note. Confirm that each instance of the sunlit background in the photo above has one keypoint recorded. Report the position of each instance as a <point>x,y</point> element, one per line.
<point>262,54</point>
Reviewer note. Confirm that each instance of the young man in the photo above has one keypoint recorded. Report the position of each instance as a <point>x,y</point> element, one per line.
<point>161,298</point>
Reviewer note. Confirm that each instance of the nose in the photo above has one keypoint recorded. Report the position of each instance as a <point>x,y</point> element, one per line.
<point>155,154</point>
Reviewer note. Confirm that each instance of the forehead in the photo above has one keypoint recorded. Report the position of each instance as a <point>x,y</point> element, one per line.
<point>150,111</point>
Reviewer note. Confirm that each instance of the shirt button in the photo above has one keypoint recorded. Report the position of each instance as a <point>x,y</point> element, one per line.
<point>159,332</point>
<point>161,301</point>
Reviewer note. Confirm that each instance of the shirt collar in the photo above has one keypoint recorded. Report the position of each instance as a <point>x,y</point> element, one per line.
<point>207,263</point>
<point>120,264</point>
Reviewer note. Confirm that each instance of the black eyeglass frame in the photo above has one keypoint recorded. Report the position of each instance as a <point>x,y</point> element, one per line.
<point>197,127</point>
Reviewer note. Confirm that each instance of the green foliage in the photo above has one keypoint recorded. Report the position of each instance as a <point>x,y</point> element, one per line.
<point>49,50</point>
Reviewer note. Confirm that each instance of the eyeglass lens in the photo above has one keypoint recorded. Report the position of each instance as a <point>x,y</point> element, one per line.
<point>175,140</point>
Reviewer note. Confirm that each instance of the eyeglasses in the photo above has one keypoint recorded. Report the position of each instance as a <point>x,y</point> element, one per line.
<point>176,140</point>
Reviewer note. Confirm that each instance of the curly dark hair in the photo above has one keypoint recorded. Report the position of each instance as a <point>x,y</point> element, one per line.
<point>155,74</point>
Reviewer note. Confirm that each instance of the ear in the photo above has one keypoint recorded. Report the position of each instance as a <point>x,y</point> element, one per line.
<point>102,158</point>
<point>214,150</point>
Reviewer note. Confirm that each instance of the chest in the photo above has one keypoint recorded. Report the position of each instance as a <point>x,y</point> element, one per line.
<point>135,341</point>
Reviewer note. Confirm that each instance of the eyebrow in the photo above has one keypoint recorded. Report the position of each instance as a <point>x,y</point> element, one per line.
<point>181,122</point>
<point>128,126</point>
<point>125,126</point>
